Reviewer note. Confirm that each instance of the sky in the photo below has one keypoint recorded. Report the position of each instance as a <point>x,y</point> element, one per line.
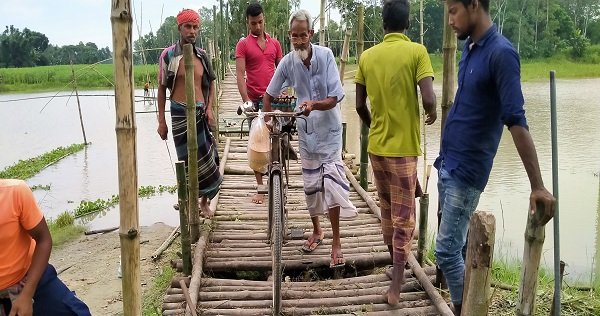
<point>68,22</point>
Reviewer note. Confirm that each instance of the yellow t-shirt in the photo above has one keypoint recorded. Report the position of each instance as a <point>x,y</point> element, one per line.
<point>19,213</point>
<point>391,71</point>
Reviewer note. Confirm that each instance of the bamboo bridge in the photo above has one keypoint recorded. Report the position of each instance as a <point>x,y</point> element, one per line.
<point>231,260</point>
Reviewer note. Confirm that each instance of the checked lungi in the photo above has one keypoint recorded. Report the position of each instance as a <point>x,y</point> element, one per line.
<point>396,182</point>
<point>209,177</point>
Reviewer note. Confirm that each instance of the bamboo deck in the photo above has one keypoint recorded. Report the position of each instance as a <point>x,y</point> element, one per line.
<point>237,242</point>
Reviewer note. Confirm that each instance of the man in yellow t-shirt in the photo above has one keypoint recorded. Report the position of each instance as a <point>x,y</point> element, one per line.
<point>28,283</point>
<point>388,74</point>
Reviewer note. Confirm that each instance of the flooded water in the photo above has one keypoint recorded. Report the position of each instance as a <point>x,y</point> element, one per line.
<point>507,193</point>
<point>91,174</point>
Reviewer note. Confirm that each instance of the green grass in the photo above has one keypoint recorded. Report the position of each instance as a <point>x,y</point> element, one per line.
<point>152,298</point>
<point>52,78</point>
<point>63,229</point>
<point>25,169</point>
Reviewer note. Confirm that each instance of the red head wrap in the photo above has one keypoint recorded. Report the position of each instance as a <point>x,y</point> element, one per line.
<point>188,16</point>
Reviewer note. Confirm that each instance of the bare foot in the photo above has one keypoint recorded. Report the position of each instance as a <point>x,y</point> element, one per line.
<point>258,198</point>
<point>337,258</point>
<point>390,298</point>
<point>205,208</point>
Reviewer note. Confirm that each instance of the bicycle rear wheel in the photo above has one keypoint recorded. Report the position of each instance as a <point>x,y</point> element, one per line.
<point>276,208</point>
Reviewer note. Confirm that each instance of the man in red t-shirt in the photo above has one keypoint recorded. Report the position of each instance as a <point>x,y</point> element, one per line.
<point>256,56</point>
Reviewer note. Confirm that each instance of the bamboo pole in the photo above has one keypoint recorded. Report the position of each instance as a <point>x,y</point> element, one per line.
<point>344,57</point>
<point>322,23</point>
<point>423,210</point>
<point>174,234</point>
<point>121,19</point>
<point>555,191</point>
<point>532,253</point>
<point>186,247</point>
<point>78,103</point>
<point>191,304</point>
<point>192,143</point>
<point>421,22</point>
<point>364,130</point>
<point>222,48</point>
<point>478,267</point>
<point>449,77</point>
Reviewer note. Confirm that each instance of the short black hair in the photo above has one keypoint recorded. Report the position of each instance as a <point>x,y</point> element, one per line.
<point>254,9</point>
<point>485,4</point>
<point>395,15</point>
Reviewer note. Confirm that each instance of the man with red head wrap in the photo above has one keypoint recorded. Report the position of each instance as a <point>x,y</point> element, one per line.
<point>171,75</point>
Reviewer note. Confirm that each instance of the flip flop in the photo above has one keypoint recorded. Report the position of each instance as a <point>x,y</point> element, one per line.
<point>339,265</point>
<point>315,242</point>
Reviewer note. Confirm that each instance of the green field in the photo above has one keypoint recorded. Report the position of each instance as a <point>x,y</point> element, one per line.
<point>100,76</point>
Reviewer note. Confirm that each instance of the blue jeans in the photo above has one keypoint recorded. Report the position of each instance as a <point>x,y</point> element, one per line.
<point>457,202</point>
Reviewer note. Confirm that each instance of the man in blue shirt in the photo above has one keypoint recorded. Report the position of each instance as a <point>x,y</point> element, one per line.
<point>312,72</point>
<point>488,97</point>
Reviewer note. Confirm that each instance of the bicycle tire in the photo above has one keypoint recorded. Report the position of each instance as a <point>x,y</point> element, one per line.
<point>276,206</point>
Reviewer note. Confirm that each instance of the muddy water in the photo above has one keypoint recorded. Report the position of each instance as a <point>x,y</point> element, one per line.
<point>92,174</point>
<point>507,193</point>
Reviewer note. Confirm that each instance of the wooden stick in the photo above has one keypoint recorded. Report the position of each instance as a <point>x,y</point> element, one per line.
<point>182,194</point>
<point>190,303</point>
<point>158,252</point>
<point>480,253</point>
<point>435,296</point>
<point>100,231</point>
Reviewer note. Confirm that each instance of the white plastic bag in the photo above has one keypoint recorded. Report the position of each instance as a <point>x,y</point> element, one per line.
<point>259,145</point>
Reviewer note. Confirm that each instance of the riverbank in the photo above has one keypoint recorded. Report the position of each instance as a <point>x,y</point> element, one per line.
<point>100,76</point>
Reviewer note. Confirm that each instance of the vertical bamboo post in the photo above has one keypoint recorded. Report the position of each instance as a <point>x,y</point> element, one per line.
<point>532,253</point>
<point>478,266</point>
<point>78,104</point>
<point>217,69</point>
<point>448,87</point>
<point>223,49</point>
<point>125,129</point>
<point>344,132</point>
<point>227,48</point>
<point>192,142</point>
<point>364,130</point>
<point>344,57</point>
<point>449,77</point>
<point>424,206</point>
<point>556,218</point>
<point>562,274</point>
<point>182,194</point>
<point>322,23</point>
<point>421,22</point>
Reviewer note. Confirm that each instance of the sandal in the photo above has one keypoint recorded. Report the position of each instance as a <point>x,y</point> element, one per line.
<point>339,257</point>
<point>308,245</point>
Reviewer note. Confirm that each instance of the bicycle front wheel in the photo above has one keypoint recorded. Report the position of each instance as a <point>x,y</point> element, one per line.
<point>276,208</point>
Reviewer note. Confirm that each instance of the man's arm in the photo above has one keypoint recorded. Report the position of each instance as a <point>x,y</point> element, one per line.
<point>240,70</point>
<point>539,194</point>
<point>23,305</point>
<point>320,105</point>
<point>428,99</point>
<point>162,130</point>
<point>361,104</point>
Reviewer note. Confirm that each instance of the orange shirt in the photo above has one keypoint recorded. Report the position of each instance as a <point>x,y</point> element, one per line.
<point>19,213</point>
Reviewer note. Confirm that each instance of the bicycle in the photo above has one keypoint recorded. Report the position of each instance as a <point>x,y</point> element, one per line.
<point>278,179</point>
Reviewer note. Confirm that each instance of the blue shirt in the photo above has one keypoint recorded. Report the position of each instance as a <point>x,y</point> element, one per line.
<point>489,96</point>
<point>320,136</point>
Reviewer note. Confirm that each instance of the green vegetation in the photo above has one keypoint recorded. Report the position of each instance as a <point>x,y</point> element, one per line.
<point>53,78</point>
<point>25,169</point>
<point>89,207</point>
<point>63,229</point>
<point>152,297</point>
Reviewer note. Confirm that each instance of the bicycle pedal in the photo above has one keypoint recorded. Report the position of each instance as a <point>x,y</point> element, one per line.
<point>262,189</point>
<point>297,233</point>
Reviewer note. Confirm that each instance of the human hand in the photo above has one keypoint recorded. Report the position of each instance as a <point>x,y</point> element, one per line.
<point>541,198</point>
<point>22,306</point>
<point>431,117</point>
<point>162,130</point>
<point>307,107</point>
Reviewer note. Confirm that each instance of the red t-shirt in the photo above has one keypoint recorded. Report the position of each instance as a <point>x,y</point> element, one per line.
<point>260,64</point>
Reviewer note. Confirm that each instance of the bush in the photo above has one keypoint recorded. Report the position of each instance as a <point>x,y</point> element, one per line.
<point>578,45</point>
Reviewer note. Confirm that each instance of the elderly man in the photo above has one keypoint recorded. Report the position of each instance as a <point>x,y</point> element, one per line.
<point>171,75</point>
<point>312,72</point>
